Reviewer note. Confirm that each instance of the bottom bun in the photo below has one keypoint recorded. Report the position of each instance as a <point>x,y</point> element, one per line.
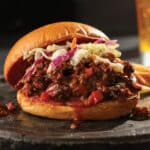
<point>105,110</point>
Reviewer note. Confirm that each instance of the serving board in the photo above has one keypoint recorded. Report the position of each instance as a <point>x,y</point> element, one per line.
<point>20,128</point>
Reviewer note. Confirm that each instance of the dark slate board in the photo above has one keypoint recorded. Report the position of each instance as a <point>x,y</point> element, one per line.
<point>20,128</point>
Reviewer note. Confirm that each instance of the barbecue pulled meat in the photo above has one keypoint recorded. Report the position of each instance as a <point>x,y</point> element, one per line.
<point>66,82</point>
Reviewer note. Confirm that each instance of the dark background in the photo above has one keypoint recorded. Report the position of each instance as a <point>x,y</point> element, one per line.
<point>112,16</point>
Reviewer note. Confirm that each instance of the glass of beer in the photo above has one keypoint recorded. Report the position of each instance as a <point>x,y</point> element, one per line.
<point>143,19</point>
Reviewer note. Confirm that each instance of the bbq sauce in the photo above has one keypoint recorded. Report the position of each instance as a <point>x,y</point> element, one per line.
<point>75,124</point>
<point>78,108</point>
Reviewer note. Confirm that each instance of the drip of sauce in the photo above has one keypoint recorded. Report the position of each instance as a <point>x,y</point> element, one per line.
<point>78,107</point>
<point>75,123</point>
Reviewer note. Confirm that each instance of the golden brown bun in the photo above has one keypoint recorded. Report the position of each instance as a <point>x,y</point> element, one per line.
<point>14,67</point>
<point>102,111</point>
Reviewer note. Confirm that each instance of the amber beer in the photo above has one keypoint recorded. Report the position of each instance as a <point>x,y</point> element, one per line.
<point>143,19</point>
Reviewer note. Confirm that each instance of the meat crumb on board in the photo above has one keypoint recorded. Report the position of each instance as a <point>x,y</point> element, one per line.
<point>5,109</point>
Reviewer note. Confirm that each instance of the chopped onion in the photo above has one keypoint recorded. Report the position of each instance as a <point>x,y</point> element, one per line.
<point>29,72</point>
<point>111,42</point>
<point>31,69</point>
<point>60,59</point>
<point>39,60</point>
<point>100,40</point>
<point>56,62</point>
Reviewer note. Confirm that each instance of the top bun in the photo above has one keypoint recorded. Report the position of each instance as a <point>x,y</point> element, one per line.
<point>14,67</point>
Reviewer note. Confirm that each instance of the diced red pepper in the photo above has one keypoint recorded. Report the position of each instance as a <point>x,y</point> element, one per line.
<point>88,72</point>
<point>45,96</point>
<point>97,96</point>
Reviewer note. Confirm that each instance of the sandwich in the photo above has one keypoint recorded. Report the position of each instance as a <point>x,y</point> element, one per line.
<point>73,71</point>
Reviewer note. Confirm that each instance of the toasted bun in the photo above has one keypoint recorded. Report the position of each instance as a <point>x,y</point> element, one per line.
<point>14,67</point>
<point>105,110</point>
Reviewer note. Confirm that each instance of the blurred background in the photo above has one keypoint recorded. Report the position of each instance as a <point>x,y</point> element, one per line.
<point>117,18</point>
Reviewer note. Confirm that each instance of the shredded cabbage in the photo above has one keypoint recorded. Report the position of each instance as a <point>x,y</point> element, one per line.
<point>60,53</point>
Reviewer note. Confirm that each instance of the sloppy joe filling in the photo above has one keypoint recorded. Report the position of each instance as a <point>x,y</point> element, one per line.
<point>78,74</point>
